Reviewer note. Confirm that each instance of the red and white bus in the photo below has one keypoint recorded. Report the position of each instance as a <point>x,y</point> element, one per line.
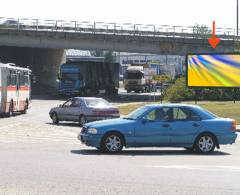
<point>15,89</point>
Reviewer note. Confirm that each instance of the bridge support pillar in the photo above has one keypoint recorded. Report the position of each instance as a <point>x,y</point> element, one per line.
<point>43,62</point>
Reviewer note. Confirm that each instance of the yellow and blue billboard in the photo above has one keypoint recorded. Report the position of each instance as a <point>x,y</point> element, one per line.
<point>213,70</point>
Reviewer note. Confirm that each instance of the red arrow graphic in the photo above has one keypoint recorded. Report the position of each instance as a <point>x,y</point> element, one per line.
<point>214,40</point>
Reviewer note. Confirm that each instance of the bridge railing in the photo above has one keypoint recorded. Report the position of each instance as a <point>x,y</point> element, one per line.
<point>149,30</point>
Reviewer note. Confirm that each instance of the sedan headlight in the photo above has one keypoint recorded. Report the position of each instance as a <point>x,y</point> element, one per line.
<point>92,131</point>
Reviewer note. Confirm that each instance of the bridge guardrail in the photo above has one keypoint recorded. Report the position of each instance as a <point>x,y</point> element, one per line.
<point>25,24</point>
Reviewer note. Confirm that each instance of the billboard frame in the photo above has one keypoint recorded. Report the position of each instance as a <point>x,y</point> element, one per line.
<point>213,87</point>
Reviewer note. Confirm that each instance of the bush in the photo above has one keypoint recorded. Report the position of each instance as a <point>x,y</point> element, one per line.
<point>180,92</point>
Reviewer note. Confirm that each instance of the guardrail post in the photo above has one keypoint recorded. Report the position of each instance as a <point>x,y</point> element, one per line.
<point>75,24</point>
<point>174,27</point>
<point>36,24</point>
<point>56,26</point>
<point>114,30</point>
<point>94,27</point>
<point>18,25</point>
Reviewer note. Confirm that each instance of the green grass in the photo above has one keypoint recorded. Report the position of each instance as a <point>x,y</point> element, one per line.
<point>127,108</point>
<point>222,109</point>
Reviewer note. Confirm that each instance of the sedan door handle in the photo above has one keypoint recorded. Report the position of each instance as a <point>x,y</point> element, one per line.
<point>165,125</point>
<point>196,125</point>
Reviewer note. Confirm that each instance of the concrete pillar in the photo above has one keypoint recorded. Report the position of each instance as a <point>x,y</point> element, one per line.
<point>43,62</point>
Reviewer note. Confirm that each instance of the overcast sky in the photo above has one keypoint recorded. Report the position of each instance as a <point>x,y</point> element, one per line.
<point>161,12</point>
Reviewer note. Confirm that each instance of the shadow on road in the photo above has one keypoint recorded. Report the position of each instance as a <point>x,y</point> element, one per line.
<point>146,152</point>
<point>15,114</point>
<point>65,124</point>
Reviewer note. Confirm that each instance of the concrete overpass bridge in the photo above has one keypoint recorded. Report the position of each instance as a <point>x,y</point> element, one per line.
<point>41,43</point>
<point>127,37</point>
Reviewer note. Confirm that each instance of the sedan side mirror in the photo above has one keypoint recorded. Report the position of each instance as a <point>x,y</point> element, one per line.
<point>145,120</point>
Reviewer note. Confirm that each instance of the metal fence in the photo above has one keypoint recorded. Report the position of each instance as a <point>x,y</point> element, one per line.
<point>150,30</point>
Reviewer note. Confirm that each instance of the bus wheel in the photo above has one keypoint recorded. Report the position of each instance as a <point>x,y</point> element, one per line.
<point>25,108</point>
<point>10,111</point>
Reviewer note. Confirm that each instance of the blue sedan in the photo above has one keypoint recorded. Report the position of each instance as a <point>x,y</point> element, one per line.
<point>162,125</point>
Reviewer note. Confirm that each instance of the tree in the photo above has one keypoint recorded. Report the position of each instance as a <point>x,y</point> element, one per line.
<point>97,53</point>
<point>201,31</point>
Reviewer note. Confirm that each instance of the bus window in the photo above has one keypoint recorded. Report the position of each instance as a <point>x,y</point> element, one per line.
<point>24,79</point>
<point>12,78</point>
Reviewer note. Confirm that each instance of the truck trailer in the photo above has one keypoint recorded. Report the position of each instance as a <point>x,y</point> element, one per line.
<point>86,78</point>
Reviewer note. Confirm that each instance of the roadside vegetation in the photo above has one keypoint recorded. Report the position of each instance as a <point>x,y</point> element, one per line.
<point>179,92</point>
<point>218,101</point>
<point>223,109</point>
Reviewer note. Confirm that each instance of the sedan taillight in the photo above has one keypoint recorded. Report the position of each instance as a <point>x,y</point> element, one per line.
<point>234,125</point>
<point>105,112</point>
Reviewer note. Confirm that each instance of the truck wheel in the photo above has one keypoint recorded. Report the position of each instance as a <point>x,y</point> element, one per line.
<point>115,91</point>
<point>137,91</point>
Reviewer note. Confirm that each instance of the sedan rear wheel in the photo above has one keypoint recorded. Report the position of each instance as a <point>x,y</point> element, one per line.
<point>55,118</point>
<point>205,143</point>
<point>82,120</point>
<point>112,143</point>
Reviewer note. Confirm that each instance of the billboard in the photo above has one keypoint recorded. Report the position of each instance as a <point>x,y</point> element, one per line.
<point>213,70</point>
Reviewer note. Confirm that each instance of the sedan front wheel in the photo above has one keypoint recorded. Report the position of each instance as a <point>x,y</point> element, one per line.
<point>112,143</point>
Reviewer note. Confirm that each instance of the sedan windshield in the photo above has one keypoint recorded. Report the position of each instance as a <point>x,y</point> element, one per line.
<point>137,113</point>
<point>96,102</point>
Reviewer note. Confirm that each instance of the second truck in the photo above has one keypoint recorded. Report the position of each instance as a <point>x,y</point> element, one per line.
<point>136,80</point>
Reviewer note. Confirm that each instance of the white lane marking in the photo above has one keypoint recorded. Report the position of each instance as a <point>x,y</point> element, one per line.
<point>196,167</point>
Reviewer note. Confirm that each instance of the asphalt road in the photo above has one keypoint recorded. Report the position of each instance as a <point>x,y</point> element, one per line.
<point>37,157</point>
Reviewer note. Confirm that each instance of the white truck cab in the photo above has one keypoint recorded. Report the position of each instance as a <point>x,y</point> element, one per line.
<point>134,79</point>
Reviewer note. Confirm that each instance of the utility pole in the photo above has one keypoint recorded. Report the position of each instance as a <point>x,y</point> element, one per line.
<point>235,89</point>
<point>237,17</point>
